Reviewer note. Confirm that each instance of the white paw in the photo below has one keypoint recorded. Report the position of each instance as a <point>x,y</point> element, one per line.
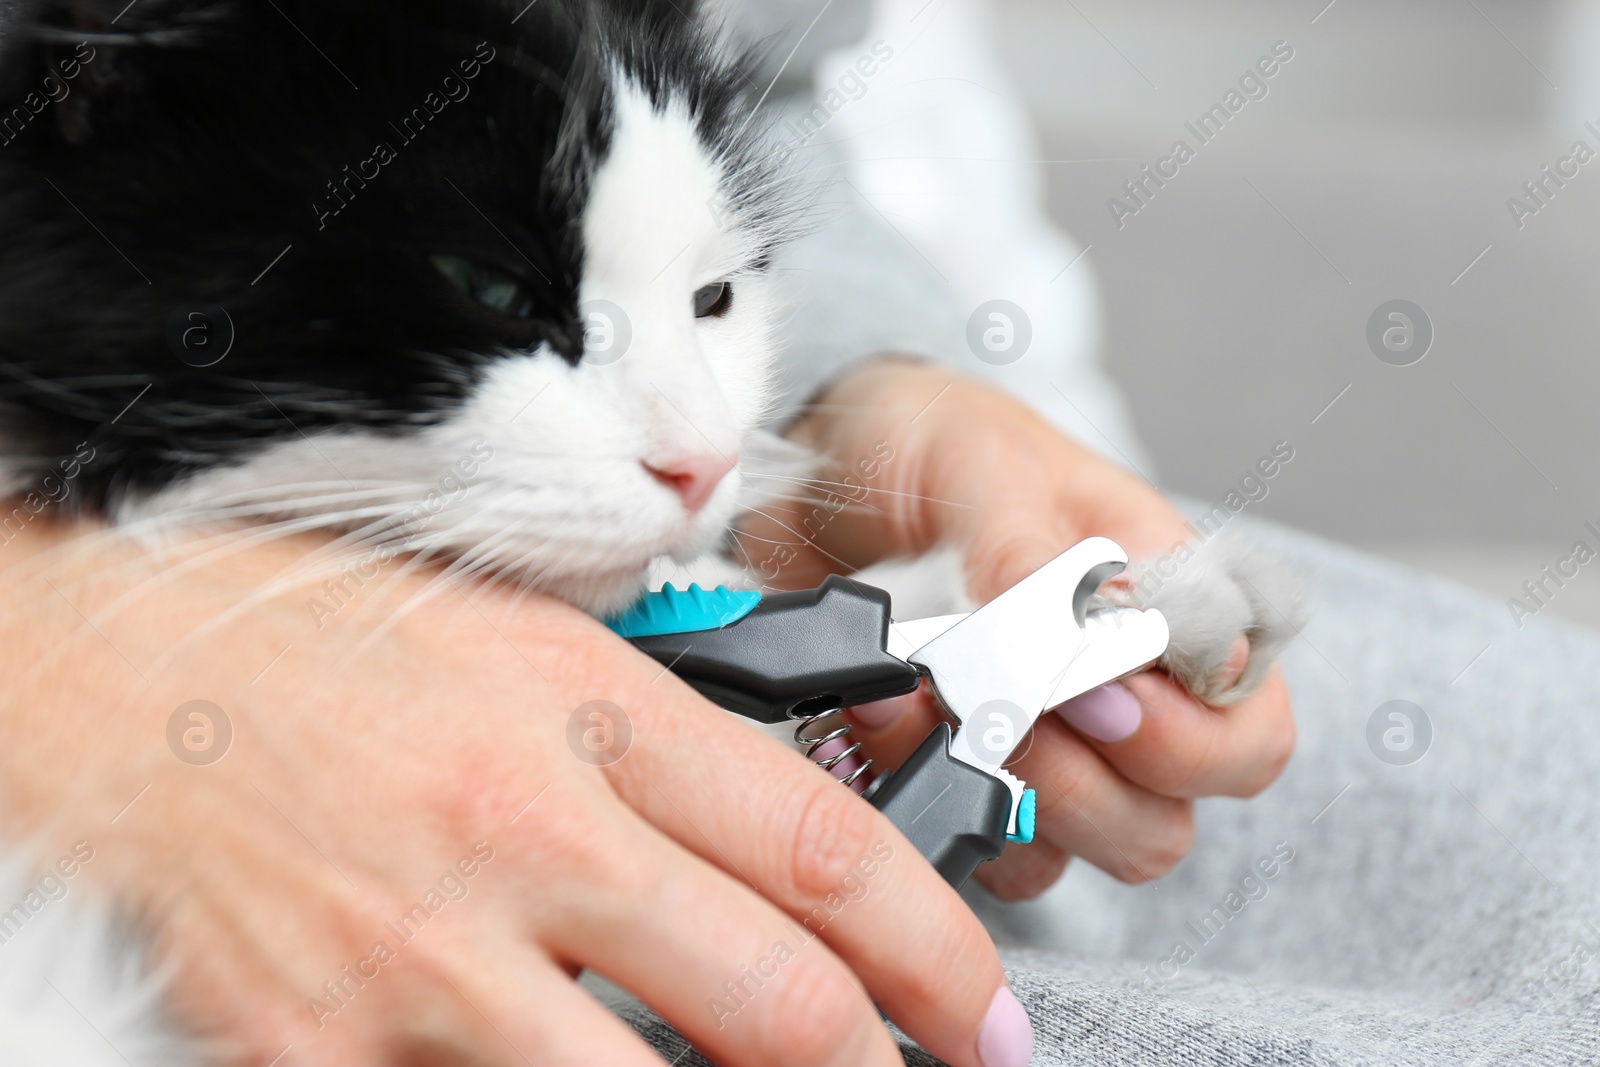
<point>1212,594</point>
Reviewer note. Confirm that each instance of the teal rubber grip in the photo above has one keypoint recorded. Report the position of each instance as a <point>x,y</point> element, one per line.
<point>794,654</point>
<point>672,611</point>
<point>1025,818</point>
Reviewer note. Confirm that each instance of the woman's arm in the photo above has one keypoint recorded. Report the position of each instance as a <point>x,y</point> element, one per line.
<point>399,824</point>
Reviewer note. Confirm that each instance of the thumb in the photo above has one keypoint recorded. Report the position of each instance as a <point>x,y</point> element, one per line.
<point>1001,558</point>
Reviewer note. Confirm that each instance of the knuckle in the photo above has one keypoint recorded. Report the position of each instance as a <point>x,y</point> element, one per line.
<point>1188,777</point>
<point>788,1030</point>
<point>1163,838</point>
<point>1074,789</point>
<point>483,792</point>
<point>1024,881</point>
<point>833,833</point>
<point>572,845</point>
<point>426,965</point>
<point>1155,853</point>
<point>1000,563</point>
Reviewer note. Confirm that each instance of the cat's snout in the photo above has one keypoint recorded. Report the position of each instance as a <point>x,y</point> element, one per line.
<point>693,476</point>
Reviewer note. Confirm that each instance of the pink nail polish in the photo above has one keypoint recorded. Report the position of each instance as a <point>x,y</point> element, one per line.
<point>1006,1037</point>
<point>1109,713</point>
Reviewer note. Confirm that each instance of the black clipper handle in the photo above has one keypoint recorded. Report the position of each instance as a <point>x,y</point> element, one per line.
<point>806,651</point>
<point>954,814</point>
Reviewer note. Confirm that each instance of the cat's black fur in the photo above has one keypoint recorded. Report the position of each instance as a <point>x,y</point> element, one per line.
<point>197,141</point>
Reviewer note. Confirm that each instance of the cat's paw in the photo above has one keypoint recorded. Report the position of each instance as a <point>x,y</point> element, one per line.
<point>1230,607</point>
<point>1224,600</point>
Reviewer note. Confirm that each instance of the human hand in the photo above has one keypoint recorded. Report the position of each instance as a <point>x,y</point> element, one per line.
<point>419,833</point>
<point>970,467</point>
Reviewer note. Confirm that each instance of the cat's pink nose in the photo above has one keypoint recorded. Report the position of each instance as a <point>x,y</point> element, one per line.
<point>694,477</point>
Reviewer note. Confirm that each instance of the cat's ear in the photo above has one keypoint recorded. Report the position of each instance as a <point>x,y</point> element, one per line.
<point>81,55</point>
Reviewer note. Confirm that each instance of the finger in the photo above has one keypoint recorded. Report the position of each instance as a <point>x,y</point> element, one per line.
<point>1089,810</point>
<point>520,1011</point>
<point>1085,808</point>
<point>1230,672</point>
<point>1023,871</point>
<point>890,730</point>
<point>1183,748</point>
<point>881,714</point>
<point>740,979</point>
<point>830,861</point>
<point>997,562</point>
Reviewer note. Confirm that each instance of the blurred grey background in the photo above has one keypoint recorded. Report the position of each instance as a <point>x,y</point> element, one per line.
<point>1378,167</point>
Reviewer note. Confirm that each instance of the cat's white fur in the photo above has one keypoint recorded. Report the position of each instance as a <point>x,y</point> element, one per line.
<point>1215,591</point>
<point>562,497</point>
<point>74,989</point>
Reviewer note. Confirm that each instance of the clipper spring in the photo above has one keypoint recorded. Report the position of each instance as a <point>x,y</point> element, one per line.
<point>814,743</point>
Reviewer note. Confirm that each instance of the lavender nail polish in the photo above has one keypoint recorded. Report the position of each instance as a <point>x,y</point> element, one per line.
<point>1006,1037</point>
<point>1109,713</point>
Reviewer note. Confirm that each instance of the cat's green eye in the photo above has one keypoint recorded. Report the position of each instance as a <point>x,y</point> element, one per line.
<point>714,300</point>
<point>488,285</point>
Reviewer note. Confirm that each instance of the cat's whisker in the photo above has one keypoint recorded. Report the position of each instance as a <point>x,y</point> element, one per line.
<point>353,547</point>
<point>740,534</point>
<point>803,537</point>
<point>239,537</point>
<point>106,614</point>
<point>435,586</point>
<point>816,502</point>
<point>415,600</point>
<point>822,483</point>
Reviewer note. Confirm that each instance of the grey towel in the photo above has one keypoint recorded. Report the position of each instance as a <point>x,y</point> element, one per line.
<point>1444,911</point>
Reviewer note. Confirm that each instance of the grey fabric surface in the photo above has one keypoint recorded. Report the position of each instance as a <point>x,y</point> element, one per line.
<point>1444,912</point>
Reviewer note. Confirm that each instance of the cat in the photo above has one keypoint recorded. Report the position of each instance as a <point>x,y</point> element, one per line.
<point>250,274</point>
<point>242,280</point>
<point>483,282</point>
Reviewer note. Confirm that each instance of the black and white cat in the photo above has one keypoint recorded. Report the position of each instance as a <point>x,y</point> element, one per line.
<point>486,281</point>
<point>396,226</point>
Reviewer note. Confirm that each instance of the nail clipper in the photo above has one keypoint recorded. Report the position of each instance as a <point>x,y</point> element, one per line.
<point>806,654</point>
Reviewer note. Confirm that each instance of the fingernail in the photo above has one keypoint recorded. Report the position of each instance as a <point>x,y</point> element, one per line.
<point>1006,1037</point>
<point>1238,660</point>
<point>1109,713</point>
<point>880,713</point>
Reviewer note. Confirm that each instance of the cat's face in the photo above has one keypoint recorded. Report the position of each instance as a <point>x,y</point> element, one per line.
<point>489,289</point>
